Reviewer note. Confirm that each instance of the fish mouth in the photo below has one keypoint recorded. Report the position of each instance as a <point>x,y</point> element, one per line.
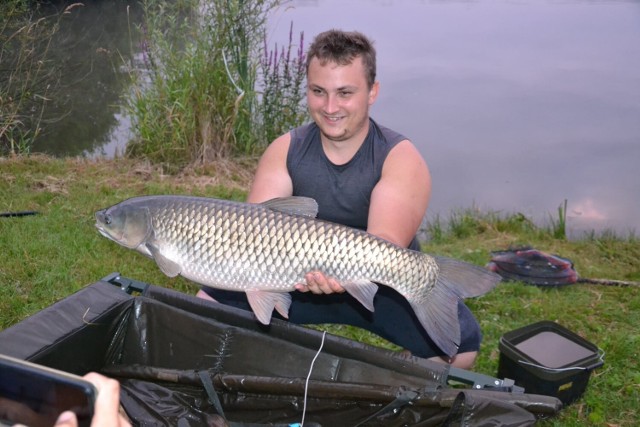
<point>100,226</point>
<point>102,231</point>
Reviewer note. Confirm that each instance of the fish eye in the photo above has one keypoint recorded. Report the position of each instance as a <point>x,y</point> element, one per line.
<point>107,219</point>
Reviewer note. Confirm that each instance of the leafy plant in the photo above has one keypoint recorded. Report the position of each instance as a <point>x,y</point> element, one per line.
<point>198,100</point>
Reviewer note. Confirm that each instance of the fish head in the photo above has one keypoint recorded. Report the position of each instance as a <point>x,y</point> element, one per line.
<point>126,224</point>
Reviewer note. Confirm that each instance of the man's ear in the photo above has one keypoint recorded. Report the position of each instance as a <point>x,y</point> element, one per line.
<point>373,92</point>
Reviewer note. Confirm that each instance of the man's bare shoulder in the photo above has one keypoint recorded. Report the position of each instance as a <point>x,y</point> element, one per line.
<point>272,178</point>
<point>280,143</point>
<point>405,155</point>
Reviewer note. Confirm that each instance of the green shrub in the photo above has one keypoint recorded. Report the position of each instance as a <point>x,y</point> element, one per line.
<point>198,101</point>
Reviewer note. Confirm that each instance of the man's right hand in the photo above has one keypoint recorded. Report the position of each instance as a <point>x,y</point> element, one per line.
<point>318,284</point>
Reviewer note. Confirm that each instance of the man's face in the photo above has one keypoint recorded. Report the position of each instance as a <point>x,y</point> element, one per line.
<point>338,99</point>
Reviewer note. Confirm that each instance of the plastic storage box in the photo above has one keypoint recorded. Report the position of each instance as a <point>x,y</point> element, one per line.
<point>546,358</point>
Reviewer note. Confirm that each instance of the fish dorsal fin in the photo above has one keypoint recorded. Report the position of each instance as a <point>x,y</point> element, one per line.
<point>168,267</point>
<point>294,205</point>
<point>262,303</point>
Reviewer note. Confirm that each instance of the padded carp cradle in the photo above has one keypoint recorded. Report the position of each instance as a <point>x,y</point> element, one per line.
<point>183,361</point>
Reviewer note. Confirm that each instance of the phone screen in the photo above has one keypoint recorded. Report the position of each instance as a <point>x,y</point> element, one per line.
<point>35,395</point>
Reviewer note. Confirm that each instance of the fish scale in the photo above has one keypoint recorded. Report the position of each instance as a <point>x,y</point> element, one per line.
<point>265,249</point>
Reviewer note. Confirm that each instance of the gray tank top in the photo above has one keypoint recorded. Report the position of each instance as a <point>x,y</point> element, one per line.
<point>343,192</point>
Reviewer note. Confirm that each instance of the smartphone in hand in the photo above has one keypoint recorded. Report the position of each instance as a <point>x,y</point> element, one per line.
<point>35,395</point>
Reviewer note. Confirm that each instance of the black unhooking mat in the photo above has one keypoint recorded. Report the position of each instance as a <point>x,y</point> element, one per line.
<point>183,361</point>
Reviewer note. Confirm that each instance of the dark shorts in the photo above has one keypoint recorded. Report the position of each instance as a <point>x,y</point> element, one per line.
<point>393,318</point>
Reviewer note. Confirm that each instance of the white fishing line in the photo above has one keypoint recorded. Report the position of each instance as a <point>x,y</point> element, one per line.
<point>306,384</point>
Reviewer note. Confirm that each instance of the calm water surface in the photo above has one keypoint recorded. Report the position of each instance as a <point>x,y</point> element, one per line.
<point>516,105</point>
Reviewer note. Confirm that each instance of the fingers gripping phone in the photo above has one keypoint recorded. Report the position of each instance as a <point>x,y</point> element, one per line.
<point>35,395</point>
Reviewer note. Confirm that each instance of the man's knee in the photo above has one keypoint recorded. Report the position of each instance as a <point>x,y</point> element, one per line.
<point>461,360</point>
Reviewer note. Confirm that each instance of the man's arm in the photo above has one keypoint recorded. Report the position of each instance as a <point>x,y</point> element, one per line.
<point>399,200</point>
<point>272,179</point>
<point>398,204</point>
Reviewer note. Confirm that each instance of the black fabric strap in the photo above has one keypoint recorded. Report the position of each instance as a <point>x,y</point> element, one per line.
<point>404,397</point>
<point>211,392</point>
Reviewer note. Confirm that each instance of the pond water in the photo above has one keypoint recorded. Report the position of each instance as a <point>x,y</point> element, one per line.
<point>517,105</point>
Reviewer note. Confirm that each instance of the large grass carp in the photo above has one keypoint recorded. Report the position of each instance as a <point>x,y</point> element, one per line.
<point>265,249</point>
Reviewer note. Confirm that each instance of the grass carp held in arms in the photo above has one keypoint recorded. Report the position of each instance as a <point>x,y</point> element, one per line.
<point>265,249</point>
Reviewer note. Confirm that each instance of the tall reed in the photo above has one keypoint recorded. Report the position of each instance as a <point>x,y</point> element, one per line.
<point>27,79</point>
<point>283,75</point>
<point>559,226</point>
<point>198,101</point>
<point>182,100</point>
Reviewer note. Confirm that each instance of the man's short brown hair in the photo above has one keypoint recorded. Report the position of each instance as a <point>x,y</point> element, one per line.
<point>342,47</point>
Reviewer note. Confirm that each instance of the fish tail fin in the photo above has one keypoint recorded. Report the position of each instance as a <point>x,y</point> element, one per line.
<point>439,317</point>
<point>438,313</point>
<point>464,279</point>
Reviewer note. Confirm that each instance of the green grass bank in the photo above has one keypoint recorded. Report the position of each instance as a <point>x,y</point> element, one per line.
<point>48,256</point>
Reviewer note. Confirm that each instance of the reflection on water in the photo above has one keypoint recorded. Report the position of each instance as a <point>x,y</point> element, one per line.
<point>90,47</point>
<point>515,104</point>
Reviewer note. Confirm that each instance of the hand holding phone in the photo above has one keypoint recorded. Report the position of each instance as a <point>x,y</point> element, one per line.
<point>35,395</point>
<point>107,407</point>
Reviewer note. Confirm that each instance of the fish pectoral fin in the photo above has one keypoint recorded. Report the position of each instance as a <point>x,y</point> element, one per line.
<point>363,290</point>
<point>262,303</point>
<point>167,266</point>
<point>144,249</point>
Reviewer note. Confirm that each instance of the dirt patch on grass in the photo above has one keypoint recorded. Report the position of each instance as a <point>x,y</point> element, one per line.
<point>55,175</point>
<point>235,174</point>
<point>51,184</point>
